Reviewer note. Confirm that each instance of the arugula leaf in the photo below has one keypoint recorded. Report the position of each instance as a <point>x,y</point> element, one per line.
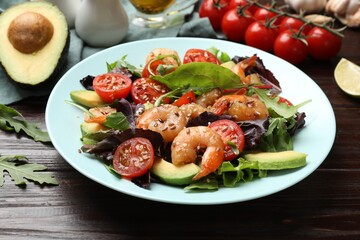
<point>12,120</point>
<point>122,63</point>
<point>282,109</point>
<point>19,170</point>
<point>200,75</point>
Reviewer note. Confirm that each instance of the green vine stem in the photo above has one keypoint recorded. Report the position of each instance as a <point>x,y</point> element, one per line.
<point>300,16</point>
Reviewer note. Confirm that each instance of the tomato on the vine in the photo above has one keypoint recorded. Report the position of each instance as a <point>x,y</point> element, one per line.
<point>323,44</point>
<point>133,157</point>
<point>265,14</point>
<point>291,47</point>
<point>261,36</point>
<point>111,86</point>
<point>242,3</point>
<point>234,25</point>
<point>231,133</point>
<point>294,24</point>
<point>214,10</point>
<point>199,55</point>
<point>146,90</point>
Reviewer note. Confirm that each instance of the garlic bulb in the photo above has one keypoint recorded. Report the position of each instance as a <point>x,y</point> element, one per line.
<point>347,11</point>
<point>309,6</point>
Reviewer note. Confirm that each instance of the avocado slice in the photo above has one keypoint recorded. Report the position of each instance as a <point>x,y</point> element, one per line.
<point>91,133</point>
<point>87,98</point>
<point>278,160</point>
<point>228,64</point>
<point>34,40</point>
<point>172,174</point>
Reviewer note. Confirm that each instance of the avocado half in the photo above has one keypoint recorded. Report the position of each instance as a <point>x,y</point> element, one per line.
<point>34,40</point>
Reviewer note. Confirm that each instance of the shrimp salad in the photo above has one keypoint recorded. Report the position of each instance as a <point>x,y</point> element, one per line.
<point>189,121</point>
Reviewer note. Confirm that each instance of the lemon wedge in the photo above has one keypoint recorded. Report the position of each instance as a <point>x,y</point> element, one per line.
<point>347,77</point>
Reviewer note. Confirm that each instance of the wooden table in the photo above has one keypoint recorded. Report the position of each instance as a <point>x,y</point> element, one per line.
<point>326,205</point>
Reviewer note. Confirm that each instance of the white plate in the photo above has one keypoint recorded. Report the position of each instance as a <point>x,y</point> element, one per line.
<point>316,139</point>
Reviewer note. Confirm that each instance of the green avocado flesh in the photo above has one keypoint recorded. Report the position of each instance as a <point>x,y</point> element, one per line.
<point>86,98</point>
<point>34,40</point>
<point>172,174</point>
<point>278,160</point>
<point>91,133</point>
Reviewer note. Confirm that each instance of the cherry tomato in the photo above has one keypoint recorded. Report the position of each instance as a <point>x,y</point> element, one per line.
<point>152,68</point>
<point>290,47</point>
<point>243,3</point>
<point>234,25</point>
<point>146,90</point>
<point>323,44</point>
<point>188,97</point>
<point>133,157</point>
<point>200,55</point>
<point>229,132</point>
<point>260,36</point>
<point>264,14</point>
<point>293,23</point>
<point>214,10</point>
<point>111,86</point>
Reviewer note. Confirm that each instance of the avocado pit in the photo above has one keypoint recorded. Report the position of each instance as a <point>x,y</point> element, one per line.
<point>30,32</point>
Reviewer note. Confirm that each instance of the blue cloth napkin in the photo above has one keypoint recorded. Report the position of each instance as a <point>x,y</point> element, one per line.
<point>193,27</point>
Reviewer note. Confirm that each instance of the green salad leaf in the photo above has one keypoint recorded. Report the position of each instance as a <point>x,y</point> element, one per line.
<point>122,63</point>
<point>200,75</point>
<point>276,138</point>
<point>12,120</point>
<point>222,56</point>
<point>117,121</point>
<point>19,170</point>
<point>282,109</point>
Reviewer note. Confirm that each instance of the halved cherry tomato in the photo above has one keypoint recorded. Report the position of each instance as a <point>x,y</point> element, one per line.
<point>200,55</point>
<point>188,97</point>
<point>111,86</point>
<point>152,68</point>
<point>229,132</point>
<point>146,90</point>
<point>133,157</point>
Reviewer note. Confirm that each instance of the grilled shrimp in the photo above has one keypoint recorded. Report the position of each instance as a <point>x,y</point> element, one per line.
<point>167,119</point>
<point>242,67</point>
<point>186,144</point>
<point>240,107</point>
<point>192,110</point>
<point>164,51</point>
<point>209,98</point>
